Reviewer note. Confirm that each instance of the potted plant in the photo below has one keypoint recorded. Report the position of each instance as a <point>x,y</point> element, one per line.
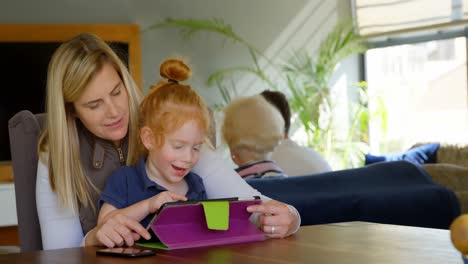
<point>305,79</point>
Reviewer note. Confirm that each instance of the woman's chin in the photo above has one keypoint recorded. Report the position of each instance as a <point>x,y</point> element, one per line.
<point>117,136</point>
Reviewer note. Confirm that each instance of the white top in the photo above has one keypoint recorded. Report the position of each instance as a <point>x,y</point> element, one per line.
<point>296,160</point>
<point>60,228</point>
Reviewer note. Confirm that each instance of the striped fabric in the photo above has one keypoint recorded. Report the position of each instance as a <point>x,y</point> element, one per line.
<point>260,169</point>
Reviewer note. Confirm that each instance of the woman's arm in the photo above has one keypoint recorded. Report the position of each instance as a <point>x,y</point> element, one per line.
<point>222,181</point>
<point>60,228</point>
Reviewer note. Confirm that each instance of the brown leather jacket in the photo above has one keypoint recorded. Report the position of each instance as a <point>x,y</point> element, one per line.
<point>100,158</point>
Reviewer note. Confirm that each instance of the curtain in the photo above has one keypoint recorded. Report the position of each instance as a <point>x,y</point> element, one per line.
<point>381,17</point>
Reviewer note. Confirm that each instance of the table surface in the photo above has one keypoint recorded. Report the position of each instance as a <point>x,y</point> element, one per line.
<point>353,242</point>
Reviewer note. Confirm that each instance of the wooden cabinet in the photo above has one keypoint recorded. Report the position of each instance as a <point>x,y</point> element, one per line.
<point>8,219</point>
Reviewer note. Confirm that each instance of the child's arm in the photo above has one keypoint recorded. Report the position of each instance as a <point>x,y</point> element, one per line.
<point>141,209</point>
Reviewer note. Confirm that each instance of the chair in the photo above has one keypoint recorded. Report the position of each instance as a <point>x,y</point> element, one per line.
<point>24,129</point>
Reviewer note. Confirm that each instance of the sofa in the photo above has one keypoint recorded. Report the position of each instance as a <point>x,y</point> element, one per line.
<point>397,192</point>
<point>450,169</point>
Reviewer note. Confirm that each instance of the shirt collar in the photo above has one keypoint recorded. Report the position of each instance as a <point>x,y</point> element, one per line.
<point>141,168</point>
<point>100,146</point>
<point>191,178</point>
<point>193,183</point>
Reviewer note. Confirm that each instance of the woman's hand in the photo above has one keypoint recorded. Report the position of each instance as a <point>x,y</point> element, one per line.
<point>275,219</point>
<point>116,229</point>
<point>119,227</point>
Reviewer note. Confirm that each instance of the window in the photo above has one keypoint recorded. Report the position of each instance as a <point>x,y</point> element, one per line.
<point>424,88</point>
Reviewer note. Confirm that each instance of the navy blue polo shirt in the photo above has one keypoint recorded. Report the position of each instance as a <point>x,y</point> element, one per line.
<point>130,185</point>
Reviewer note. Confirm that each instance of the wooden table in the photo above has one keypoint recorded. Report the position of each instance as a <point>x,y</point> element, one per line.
<point>341,243</point>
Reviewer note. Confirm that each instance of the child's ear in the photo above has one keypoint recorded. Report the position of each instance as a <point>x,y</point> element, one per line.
<point>147,137</point>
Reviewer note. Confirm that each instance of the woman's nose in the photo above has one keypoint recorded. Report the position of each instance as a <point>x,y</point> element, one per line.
<point>112,109</point>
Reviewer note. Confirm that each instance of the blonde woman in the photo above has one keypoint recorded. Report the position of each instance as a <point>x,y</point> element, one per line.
<point>252,128</point>
<point>91,130</point>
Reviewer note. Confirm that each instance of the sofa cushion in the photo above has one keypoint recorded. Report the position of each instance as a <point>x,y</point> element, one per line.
<point>426,153</point>
<point>452,176</point>
<point>453,154</point>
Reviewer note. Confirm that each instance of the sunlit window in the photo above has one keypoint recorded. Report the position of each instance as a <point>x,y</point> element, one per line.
<point>424,88</point>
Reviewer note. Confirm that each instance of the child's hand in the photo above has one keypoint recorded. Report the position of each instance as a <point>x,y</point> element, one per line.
<point>156,201</point>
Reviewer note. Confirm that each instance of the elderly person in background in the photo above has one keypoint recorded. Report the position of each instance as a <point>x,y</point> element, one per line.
<point>295,160</point>
<point>252,128</point>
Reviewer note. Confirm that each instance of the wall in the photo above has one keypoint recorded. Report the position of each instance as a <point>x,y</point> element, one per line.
<point>277,30</point>
<point>208,52</point>
<point>274,26</point>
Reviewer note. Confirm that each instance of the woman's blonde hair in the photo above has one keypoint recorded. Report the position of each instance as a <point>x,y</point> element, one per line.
<point>170,104</point>
<point>252,123</point>
<point>71,68</point>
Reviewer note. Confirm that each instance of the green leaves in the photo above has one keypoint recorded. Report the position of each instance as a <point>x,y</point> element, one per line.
<point>307,77</point>
<point>189,27</point>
